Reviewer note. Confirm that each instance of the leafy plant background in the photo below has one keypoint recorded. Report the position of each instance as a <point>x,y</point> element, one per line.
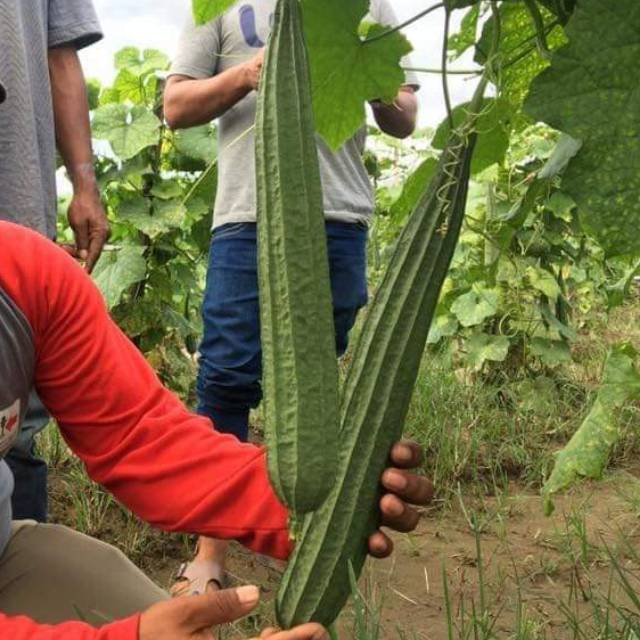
<point>550,235</point>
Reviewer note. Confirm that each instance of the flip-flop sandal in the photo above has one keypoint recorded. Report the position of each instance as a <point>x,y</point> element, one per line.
<point>194,577</point>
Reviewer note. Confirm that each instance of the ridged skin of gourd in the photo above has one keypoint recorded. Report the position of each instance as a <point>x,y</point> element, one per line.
<point>300,371</point>
<point>376,397</point>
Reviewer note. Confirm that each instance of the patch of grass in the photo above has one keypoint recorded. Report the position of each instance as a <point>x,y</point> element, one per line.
<point>484,431</point>
<point>480,434</point>
<point>486,437</point>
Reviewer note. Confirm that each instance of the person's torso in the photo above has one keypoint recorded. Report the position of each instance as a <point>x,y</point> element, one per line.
<point>27,138</point>
<point>348,193</point>
<point>17,370</point>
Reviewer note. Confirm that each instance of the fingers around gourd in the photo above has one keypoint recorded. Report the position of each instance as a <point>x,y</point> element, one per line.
<point>408,486</point>
<point>380,545</point>
<point>398,515</point>
<point>407,454</point>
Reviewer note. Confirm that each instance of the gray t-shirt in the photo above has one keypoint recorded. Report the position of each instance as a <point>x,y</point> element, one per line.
<point>28,28</point>
<point>232,39</point>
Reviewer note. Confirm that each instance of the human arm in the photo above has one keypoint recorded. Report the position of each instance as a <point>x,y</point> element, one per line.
<point>189,102</point>
<point>134,436</point>
<point>399,118</point>
<point>73,136</point>
<point>71,26</point>
<point>22,628</point>
<point>198,90</point>
<point>178,619</point>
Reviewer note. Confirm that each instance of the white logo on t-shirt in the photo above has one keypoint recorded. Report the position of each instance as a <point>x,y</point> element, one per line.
<point>9,427</point>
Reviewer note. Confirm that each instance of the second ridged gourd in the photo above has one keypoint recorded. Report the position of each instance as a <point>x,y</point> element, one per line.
<point>300,370</point>
<point>378,391</point>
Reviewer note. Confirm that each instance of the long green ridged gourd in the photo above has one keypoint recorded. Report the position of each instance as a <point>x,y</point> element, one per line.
<point>300,370</point>
<point>377,393</point>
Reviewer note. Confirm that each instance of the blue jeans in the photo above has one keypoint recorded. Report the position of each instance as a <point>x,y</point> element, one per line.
<point>29,499</point>
<point>230,352</point>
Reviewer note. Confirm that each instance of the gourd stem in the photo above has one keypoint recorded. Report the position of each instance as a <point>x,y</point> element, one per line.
<point>450,72</point>
<point>445,80</point>
<point>475,105</point>
<point>388,32</point>
<point>541,33</point>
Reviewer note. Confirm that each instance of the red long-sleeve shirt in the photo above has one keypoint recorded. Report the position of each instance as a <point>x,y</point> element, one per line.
<point>135,437</point>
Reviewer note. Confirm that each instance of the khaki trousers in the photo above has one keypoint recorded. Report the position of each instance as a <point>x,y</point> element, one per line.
<point>53,574</point>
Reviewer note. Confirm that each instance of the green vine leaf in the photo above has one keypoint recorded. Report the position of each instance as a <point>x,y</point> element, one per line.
<point>206,10</point>
<point>116,271</point>
<point>134,88</point>
<point>205,187</point>
<point>551,352</point>
<point>588,451</point>
<point>166,215</point>
<point>444,326</point>
<point>129,131</point>
<point>475,306</point>
<point>199,143</point>
<point>140,64</point>
<point>412,190</point>
<point>466,37</point>
<point>544,282</point>
<point>482,347</point>
<point>167,189</point>
<point>347,72</point>
<point>561,8</point>
<point>591,93</point>
<point>518,51</point>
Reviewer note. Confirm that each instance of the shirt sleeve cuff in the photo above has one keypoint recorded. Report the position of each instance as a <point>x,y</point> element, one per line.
<point>79,35</point>
<point>187,70</point>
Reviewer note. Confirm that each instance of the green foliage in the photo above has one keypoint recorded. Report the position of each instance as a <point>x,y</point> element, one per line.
<point>494,129</point>
<point>117,271</point>
<point>466,36</point>
<point>561,8</point>
<point>475,306</point>
<point>519,60</point>
<point>129,130</point>
<point>524,272</point>
<point>206,10</point>
<point>158,188</point>
<point>346,70</point>
<point>588,451</point>
<point>482,347</point>
<point>197,143</point>
<point>591,93</point>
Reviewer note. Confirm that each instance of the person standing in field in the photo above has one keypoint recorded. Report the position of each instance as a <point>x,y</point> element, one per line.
<point>215,75</point>
<point>46,107</point>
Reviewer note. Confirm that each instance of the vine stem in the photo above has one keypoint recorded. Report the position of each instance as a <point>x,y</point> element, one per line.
<point>445,51</point>
<point>388,32</point>
<point>475,105</point>
<point>541,34</point>
<point>451,72</point>
<point>523,54</point>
